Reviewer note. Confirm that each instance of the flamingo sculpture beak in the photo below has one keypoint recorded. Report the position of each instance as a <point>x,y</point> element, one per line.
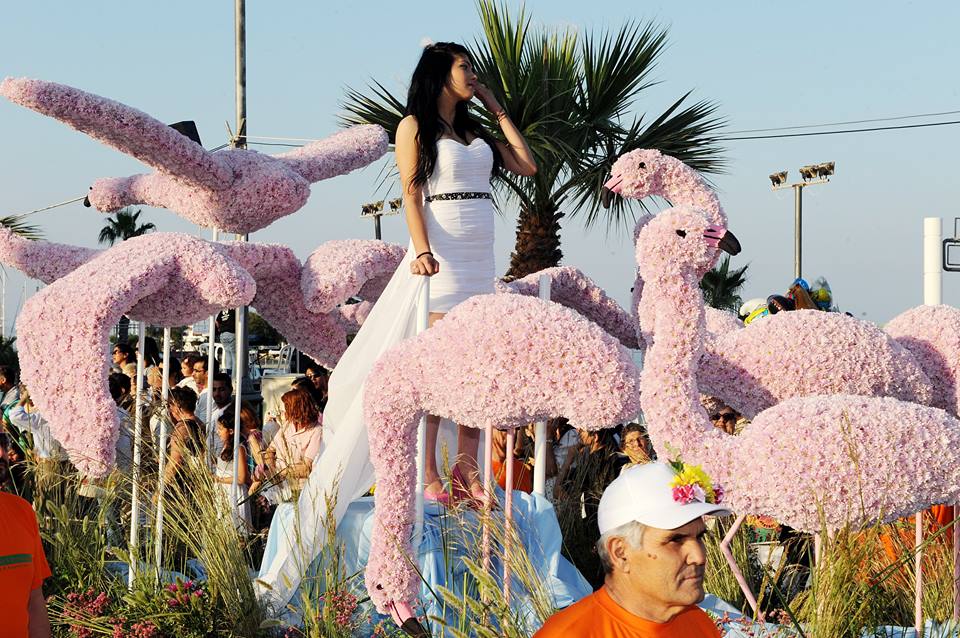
<point>609,188</point>
<point>721,238</point>
<point>403,615</point>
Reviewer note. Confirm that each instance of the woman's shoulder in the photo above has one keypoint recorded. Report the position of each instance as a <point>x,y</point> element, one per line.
<point>407,129</point>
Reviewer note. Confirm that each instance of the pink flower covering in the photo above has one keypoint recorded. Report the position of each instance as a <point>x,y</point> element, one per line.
<point>352,316</point>
<point>570,287</point>
<point>280,301</point>
<point>341,269</point>
<point>499,360</point>
<point>808,352</point>
<point>932,335</point>
<point>42,260</point>
<point>239,191</point>
<point>162,278</point>
<point>845,454</point>
<point>720,322</point>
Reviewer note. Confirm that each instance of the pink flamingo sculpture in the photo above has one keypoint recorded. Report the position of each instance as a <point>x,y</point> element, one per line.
<point>842,457</point>
<point>164,279</point>
<point>494,361</point>
<point>737,365</point>
<point>236,190</point>
<point>932,335</point>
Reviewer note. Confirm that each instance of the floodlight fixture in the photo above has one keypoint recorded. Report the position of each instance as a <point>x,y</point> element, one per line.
<point>825,169</point>
<point>808,172</point>
<point>778,179</point>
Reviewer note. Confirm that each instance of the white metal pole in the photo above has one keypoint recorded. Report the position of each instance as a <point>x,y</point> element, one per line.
<point>211,343</point>
<point>423,322</point>
<point>137,441</point>
<point>508,513</point>
<point>241,329</point>
<point>932,293</point>
<point>162,447</point>
<point>540,429</point>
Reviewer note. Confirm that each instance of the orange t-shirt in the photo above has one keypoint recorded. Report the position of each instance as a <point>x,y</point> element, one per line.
<point>598,616</point>
<point>23,565</point>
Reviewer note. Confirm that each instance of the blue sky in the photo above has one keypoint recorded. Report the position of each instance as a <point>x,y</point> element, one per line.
<point>765,64</point>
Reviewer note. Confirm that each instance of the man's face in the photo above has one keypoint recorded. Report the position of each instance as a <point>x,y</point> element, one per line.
<point>319,381</point>
<point>200,373</point>
<point>667,569</point>
<point>726,420</point>
<point>221,393</point>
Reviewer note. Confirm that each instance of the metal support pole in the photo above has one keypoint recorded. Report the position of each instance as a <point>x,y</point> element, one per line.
<point>238,367</point>
<point>376,227</point>
<point>162,449</point>
<point>211,344</point>
<point>137,442</point>
<point>423,322</point>
<point>932,295</point>
<point>540,429</point>
<point>797,230</point>
<point>240,70</point>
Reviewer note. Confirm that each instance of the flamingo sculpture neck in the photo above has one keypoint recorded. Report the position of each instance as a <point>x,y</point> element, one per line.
<point>673,305</point>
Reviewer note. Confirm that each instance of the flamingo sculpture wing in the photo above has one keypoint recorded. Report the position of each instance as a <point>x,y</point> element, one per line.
<point>163,278</point>
<point>341,269</point>
<point>798,354</point>
<point>236,190</point>
<point>466,368</point>
<point>43,260</point>
<point>570,287</point>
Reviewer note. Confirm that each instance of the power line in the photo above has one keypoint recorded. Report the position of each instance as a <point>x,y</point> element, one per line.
<point>876,119</point>
<point>855,130</point>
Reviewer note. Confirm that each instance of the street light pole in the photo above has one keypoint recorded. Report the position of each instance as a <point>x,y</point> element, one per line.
<point>797,230</point>
<point>812,174</point>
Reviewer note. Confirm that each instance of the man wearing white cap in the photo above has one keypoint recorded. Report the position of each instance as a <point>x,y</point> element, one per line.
<point>653,556</point>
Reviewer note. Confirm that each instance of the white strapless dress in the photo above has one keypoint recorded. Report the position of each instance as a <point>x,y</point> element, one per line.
<point>460,230</point>
<point>461,240</point>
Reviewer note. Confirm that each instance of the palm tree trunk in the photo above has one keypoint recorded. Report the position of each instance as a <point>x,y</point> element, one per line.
<point>538,240</point>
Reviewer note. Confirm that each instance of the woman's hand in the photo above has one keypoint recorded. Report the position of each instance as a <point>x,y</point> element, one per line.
<point>425,264</point>
<point>486,98</point>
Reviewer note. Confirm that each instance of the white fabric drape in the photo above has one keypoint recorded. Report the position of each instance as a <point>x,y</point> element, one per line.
<point>344,459</point>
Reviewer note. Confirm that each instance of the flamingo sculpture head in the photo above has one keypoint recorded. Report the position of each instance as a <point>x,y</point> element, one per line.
<point>235,190</point>
<point>640,173</point>
<point>467,368</point>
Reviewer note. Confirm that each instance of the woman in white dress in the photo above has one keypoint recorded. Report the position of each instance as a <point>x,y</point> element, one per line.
<point>446,161</point>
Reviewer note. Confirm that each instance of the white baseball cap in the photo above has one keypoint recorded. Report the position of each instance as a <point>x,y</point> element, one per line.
<point>644,493</point>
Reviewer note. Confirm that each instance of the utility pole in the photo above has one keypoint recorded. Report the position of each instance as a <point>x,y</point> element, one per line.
<point>812,174</point>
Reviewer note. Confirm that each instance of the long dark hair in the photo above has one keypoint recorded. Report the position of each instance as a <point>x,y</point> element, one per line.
<point>429,78</point>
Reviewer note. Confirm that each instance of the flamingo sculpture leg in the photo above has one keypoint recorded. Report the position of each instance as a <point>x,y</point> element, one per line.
<point>736,366</point>
<point>466,368</point>
<point>842,460</point>
<point>236,190</point>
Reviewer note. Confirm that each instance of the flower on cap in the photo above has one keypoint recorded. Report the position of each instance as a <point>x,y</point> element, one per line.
<point>691,484</point>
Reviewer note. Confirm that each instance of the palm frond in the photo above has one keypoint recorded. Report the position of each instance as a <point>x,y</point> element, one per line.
<point>381,108</point>
<point>17,225</point>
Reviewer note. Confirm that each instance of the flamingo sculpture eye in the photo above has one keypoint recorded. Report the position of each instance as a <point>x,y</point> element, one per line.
<point>682,233</point>
<point>643,164</point>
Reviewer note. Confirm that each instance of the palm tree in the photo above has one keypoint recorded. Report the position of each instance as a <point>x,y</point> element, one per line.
<point>570,96</point>
<point>721,286</point>
<point>122,226</point>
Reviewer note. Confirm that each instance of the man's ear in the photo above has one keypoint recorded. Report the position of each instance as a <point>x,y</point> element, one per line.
<point>617,550</point>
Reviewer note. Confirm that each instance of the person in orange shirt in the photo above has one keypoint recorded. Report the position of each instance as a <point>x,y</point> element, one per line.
<point>23,567</point>
<point>653,556</point>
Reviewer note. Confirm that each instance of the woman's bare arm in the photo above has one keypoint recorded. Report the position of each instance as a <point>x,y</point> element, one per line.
<point>407,150</point>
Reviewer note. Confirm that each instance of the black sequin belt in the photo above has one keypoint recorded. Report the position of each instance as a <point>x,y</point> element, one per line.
<point>443,197</point>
